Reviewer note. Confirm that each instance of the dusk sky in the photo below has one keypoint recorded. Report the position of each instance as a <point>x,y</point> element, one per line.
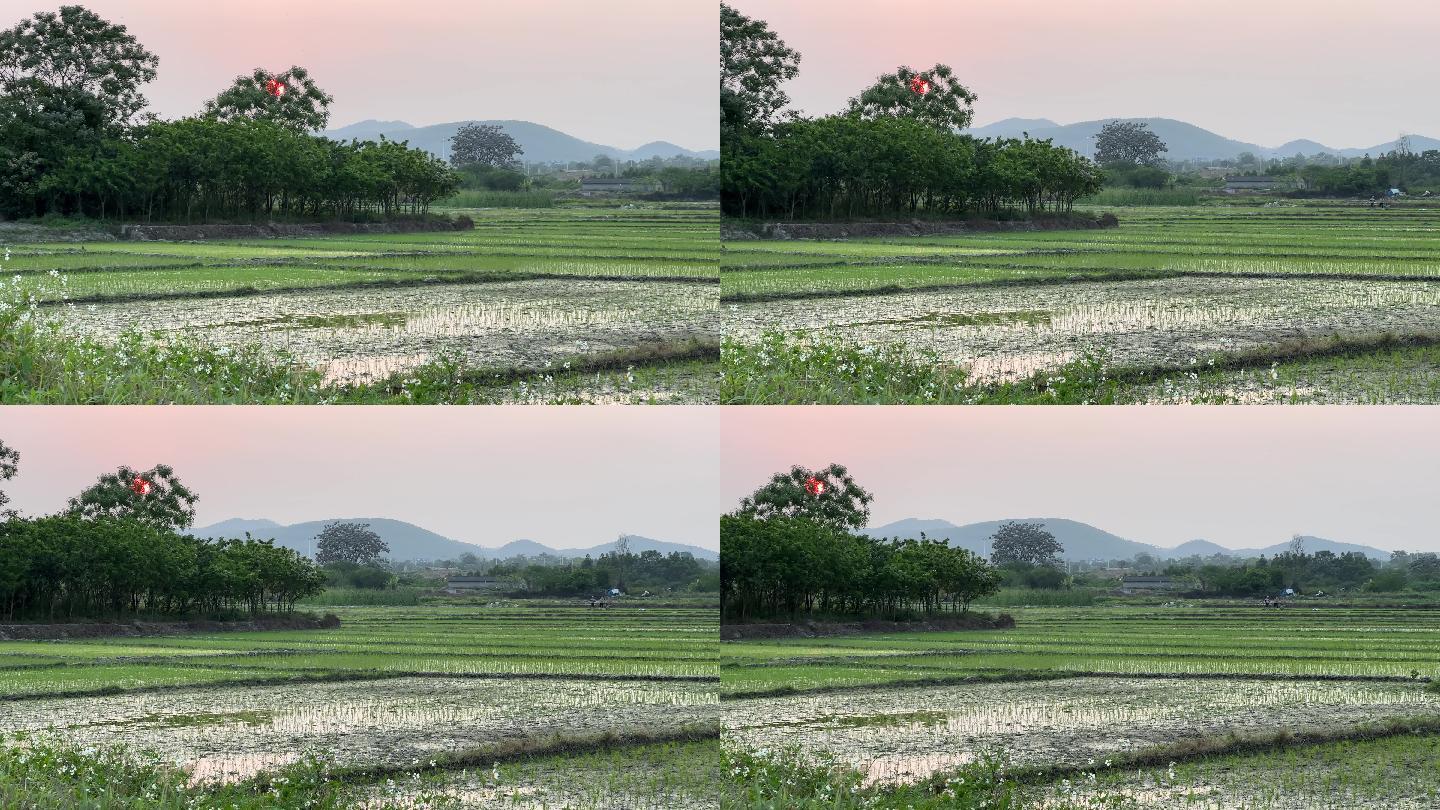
<point>620,73</point>
<point>1241,477</point>
<point>1346,74</point>
<point>562,476</point>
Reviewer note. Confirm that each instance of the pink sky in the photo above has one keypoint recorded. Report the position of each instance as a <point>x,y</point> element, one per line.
<point>1241,477</point>
<point>1344,73</point>
<point>619,73</point>
<point>562,476</point>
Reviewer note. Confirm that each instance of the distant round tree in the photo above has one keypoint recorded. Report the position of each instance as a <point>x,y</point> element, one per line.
<point>829,497</point>
<point>1128,143</point>
<point>290,99</point>
<point>1024,544</point>
<point>484,145</point>
<point>154,497</point>
<point>352,543</point>
<point>933,97</point>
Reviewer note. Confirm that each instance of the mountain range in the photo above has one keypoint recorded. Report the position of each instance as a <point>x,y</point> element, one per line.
<point>541,143</point>
<point>1085,542</point>
<point>408,541</point>
<point>1184,141</point>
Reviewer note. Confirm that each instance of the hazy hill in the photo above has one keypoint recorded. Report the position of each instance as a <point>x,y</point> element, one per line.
<point>1185,141</point>
<point>1085,542</point>
<point>541,143</point>
<point>410,542</point>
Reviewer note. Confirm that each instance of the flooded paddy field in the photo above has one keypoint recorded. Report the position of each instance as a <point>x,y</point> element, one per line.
<point>1172,292</point>
<point>567,304</point>
<point>428,706</point>
<point>1123,706</point>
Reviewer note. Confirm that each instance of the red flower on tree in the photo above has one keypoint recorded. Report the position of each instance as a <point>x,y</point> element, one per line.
<point>814,485</point>
<point>920,85</point>
<point>140,486</point>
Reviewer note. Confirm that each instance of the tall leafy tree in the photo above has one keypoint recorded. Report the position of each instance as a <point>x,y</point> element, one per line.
<point>68,80</point>
<point>9,465</point>
<point>754,61</point>
<point>484,145</point>
<point>353,543</point>
<point>154,497</point>
<point>291,99</point>
<point>1024,544</point>
<point>839,503</point>
<point>1128,143</point>
<point>75,57</point>
<point>934,97</point>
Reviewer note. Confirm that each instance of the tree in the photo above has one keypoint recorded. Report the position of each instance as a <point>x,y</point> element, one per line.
<point>74,56</point>
<point>934,97</point>
<point>1016,543</point>
<point>1128,143</point>
<point>753,63</point>
<point>9,465</point>
<point>352,543</point>
<point>154,497</point>
<point>840,503</point>
<point>622,558</point>
<point>290,99</point>
<point>484,145</point>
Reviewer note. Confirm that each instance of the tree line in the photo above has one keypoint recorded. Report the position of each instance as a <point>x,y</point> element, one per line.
<point>896,150</point>
<point>649,570</point>
<point>120,549</point>
<point>792,548</point>
<point>74,139</point>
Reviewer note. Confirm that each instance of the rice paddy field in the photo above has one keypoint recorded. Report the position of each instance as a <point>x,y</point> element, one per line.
<point>456,706</point>
<point>1328,302</point>
<point>1173,706</point>
<point>547,302</point>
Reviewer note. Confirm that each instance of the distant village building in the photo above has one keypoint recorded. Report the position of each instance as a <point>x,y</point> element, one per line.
<point>592,186</point>
<point>1238,184</point>
<point>480,584</point>
<point>1149,584</point>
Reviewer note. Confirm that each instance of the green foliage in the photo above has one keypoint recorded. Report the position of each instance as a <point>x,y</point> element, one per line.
<point>298,104</point>
<point>1143,196</point>
<point>846,167</point>
<point>945,105</point>
<point>795,779</point>
<point>1024,543</point>
<point>647,571</point>
<point>337,597</point>
<point>9,465</point>
<point>840,503</point>
<point>500,199</point>
<point>350,543</point>
<point>154,497</point>
<point>36,772</point>
<point>781,369</point>
<point>784,565</point>
<point>753,63</point>
<point>69,88</point>
<point>484,145</point>
<point>71,567</point>
<point>1128,143</point>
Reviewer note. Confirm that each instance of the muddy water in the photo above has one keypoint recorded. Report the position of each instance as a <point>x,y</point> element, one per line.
<point>1168,321</point>
<point>372,333</point>
<point>236,732</point>
<point>1072,721</point>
